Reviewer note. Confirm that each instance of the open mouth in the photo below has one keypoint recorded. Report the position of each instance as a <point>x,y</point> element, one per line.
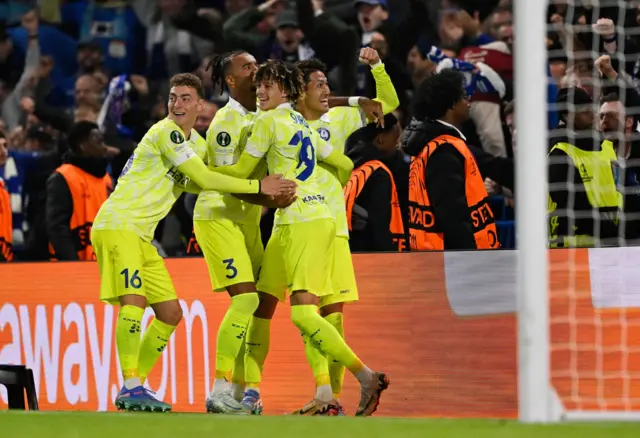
<point>324,101</point>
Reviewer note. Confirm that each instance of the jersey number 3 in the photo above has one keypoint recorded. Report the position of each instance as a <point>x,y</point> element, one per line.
<point>306,157</point>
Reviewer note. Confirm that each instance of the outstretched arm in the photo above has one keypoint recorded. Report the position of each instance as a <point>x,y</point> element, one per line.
<point>243,168</point>
<point>195,169</point>
<point>257,147</point>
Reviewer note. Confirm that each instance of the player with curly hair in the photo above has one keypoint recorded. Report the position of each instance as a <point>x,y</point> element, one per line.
<point>299,255</point>
<point>227,227</point>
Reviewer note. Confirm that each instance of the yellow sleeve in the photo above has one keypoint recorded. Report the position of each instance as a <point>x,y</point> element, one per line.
<point>195,169</point>
<point>257,147</point>
<point>335,158</point>
<point>385,91</point>
<point>192,187</point>
<point>243,168</point>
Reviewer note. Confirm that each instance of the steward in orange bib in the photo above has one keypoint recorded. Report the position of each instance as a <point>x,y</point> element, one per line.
<point>448,206</point>
<point>6,221</point>
<point>75,193</point>
<point>376,195</point>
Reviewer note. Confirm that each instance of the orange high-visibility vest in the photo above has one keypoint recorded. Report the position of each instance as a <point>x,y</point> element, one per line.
<point>424,232</point>
<point>354,187</point>
<point>88,193</point>
<point>6,227</point>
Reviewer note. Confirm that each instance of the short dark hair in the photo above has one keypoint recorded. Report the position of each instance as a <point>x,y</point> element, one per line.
<point>371,130</point>
<point>437,94</point>
<point>287,76</point>
<point>187,80</point>
<point>309,67</point>
<point>219,66</point>
<point>510,108</point>
<point>80,133</point>
<point>611,97</point>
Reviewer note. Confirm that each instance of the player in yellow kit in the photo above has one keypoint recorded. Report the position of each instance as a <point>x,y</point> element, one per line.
<point>299,255</point>
<point>167,162</point>
<point>335,125</point>
<point>228,228</point>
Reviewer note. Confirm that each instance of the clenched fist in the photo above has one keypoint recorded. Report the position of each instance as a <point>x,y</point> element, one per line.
<point>605,28</point>
<point>603,64</point>
<point>369,56</point>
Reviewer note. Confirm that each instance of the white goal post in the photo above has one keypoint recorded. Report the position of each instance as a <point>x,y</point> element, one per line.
<point>531,210</point>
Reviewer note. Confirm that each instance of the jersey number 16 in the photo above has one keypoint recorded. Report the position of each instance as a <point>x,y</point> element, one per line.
<point>306,156</point>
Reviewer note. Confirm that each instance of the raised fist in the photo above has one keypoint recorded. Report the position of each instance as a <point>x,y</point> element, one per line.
<point>605,28</point>
<point>603,64</point>
<point>369,56</point>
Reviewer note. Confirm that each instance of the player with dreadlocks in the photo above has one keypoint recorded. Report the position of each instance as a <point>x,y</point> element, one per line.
<point>299,255</point>
<point>227,227</point>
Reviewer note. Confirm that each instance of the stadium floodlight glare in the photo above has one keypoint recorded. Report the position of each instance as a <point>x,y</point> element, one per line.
<point>534,394</point>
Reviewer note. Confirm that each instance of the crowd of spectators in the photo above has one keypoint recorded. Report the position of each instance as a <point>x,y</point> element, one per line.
<point>59,61</point>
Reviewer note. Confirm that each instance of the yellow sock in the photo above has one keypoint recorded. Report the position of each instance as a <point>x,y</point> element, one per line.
<point>324,335</point>
<point>336,369</point>
<point>232,331</point>
<point>128,340</point>
<point>154,341</point>
<point>317,361</point>
<point>257,348</point>
<point>237,377</point>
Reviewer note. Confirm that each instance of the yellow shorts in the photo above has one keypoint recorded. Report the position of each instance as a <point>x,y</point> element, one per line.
<point>130,266</point>
<point>299,257</point>
<point>343,278</point>
<point>233,252</point>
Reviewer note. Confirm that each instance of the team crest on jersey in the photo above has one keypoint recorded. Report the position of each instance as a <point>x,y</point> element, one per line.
<point>176,137</point>
<point>223,138</point>
<point>324,134</point>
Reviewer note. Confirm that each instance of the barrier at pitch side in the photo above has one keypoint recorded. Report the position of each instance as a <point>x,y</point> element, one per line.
<point>446,355</point>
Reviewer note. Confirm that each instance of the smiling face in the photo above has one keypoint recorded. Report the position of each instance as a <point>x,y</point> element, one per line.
<point>270,95</point>
<point>184,105</point>
<point>317,96</point>
<point>242,71</point>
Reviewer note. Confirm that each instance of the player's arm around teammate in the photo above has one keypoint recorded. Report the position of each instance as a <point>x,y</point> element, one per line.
<point>228,231</point>
<point>133,275</point>
<point>299,253</point>
<point>334,121</point>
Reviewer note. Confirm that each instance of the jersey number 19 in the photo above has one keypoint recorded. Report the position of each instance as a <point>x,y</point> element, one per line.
<point>306,156</point>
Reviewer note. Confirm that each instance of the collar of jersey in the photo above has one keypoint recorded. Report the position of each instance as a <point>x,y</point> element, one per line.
<point>234,104</point>
<point>326,117</point>
<point>286,105</point>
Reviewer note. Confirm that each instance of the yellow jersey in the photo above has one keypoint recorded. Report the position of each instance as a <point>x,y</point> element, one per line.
<point>335,127</point>
<point>292,149</point>
<point>226,139</point>
<point>150,182</point>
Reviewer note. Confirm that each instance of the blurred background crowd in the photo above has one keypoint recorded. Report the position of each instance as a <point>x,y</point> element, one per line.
<point>61,60</point>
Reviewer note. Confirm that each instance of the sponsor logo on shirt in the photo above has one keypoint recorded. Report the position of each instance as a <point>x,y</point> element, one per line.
<point>314,199</point>
<point>177,177</point>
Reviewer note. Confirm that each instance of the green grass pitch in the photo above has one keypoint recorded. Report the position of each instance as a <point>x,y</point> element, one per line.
<point>122,425</point>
